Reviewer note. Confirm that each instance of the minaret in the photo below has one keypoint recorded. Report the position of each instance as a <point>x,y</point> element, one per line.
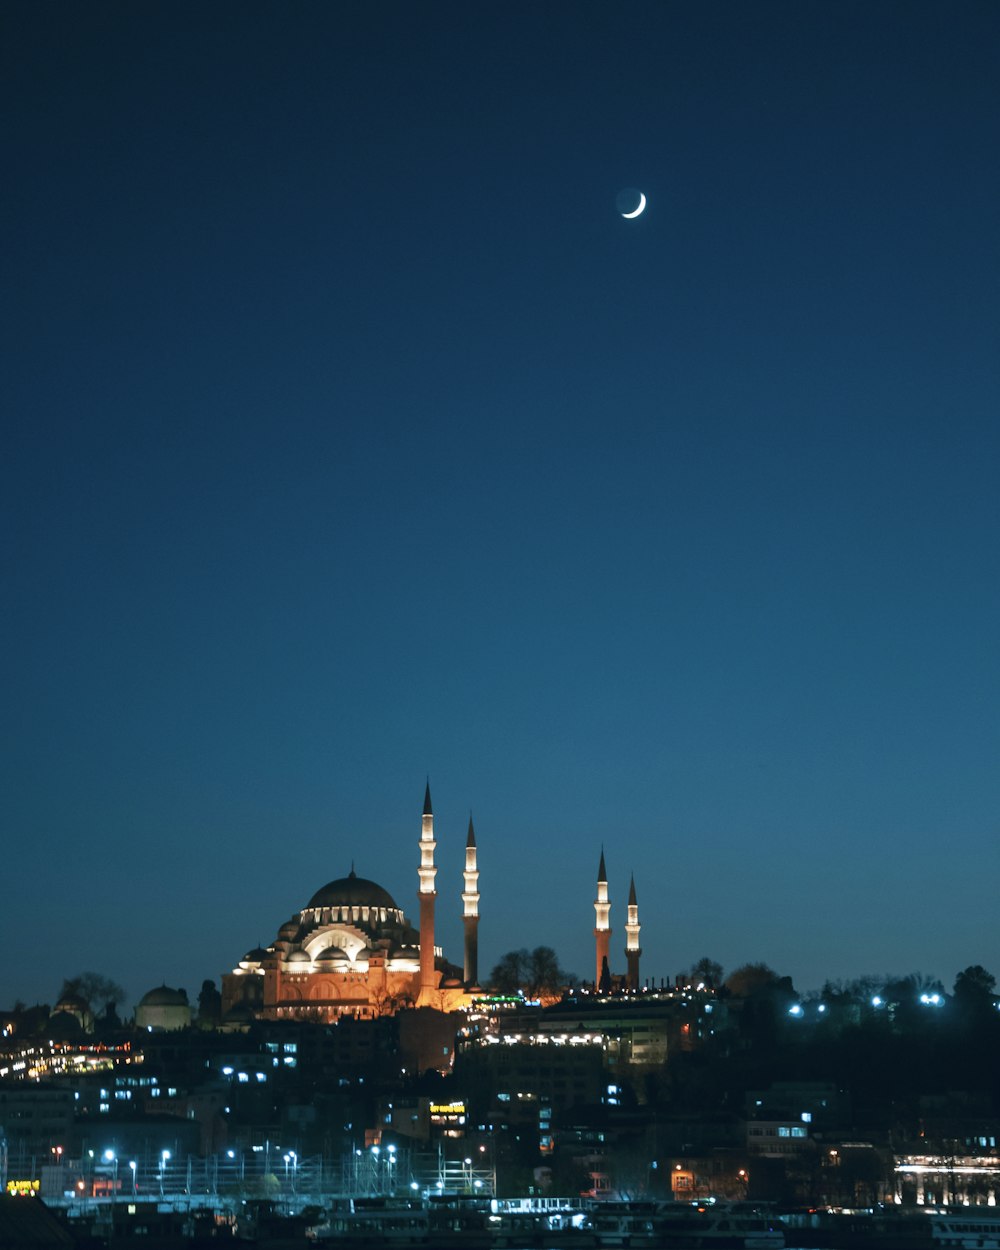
<point>632,948</point>
<point>602,928</point>
<point>470,909</point>
<point>427,894</point>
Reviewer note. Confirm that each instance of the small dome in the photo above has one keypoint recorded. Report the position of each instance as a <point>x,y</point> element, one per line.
<point>164,996</point>
<point>352,891</point>
<point>289,929</point>
<point>72,1002</point>
<point>255,956</point>
<point>332,954</point>
<point>298,957</point>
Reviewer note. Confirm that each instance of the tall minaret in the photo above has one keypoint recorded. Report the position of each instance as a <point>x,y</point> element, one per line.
<point>632,948</point>
<point>470,909</point>
<point>602,927</point>
<point>427,894</point>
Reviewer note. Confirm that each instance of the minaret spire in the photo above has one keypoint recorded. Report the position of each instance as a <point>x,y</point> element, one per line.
<point>470,909</point>
<point>602,926</point>
<point>632,947</point>
<point>426,894</point>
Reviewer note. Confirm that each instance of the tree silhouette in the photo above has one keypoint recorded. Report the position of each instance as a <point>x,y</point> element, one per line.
<point>95,989</point>
<point>975,997</point>
<point>509,974</point>
<point>535,973</point>
<point>708,971</point>
<point>750,979</point>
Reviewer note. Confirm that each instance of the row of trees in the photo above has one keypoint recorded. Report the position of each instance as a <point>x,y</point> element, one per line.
<point>538,974</point>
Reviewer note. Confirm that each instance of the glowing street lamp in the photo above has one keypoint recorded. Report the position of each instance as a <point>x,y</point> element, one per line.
<point>164,1156</point>
<point>133,1166</point>
<point>109,1156</point>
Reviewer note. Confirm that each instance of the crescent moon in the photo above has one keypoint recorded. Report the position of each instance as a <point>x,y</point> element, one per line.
<point>636,211</point>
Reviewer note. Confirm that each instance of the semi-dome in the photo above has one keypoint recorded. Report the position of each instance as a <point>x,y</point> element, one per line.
<point>352,891</point>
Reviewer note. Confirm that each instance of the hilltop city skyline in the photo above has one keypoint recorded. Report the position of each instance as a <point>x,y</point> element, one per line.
<point>448,935</point>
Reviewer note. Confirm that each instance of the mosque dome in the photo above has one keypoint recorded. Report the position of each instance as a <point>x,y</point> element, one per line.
<point>163,1008</point>
<point>72,1003</point>
<point>255,956</point>
<point>164,996</point>
<point>298,957</point>
<point>352,891</point>
<point>332,954</point>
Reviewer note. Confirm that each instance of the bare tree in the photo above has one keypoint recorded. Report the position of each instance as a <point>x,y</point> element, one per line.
<point>96,990</point>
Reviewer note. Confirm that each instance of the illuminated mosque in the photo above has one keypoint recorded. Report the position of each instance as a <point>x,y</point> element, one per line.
<point>352,951</point>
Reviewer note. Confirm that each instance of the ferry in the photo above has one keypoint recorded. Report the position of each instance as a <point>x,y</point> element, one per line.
<point>462,1223</point>
<point>894,1228</point>
<point>624,1225</point>
<point>362,1223</point>
<point>718,1227</point>
<point>968,1228</point>
<point>540,1224</point>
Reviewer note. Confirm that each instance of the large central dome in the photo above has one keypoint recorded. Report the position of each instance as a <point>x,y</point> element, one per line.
<point>352,891</point>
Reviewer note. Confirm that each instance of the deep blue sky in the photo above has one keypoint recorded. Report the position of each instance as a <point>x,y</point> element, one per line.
<point>351,436</point>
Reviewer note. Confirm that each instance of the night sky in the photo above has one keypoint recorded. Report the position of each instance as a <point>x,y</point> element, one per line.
<point>352,436</point>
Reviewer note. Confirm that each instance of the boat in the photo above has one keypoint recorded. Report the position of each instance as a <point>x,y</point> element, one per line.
<point>361,1223</point>
<point>894,1228</point>
<point>969,1228</point>
<point>540,1224</point>
<point>620,1225</point>
<point>462,1223</point>
<point>718,1227</point>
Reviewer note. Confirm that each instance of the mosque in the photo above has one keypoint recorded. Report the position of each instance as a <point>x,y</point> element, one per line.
<point>352,951</point>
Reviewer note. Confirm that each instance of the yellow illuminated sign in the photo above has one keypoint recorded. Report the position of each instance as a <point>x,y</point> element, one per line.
<point>23,1187</point>
<point>447,1108</point>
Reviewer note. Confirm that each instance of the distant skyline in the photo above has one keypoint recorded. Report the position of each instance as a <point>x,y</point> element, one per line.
<point>353,436</point>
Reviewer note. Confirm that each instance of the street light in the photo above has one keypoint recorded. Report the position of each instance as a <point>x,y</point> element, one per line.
<point>112,1158</point>
<point>133,1165</point>
<point>164,1156</point>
